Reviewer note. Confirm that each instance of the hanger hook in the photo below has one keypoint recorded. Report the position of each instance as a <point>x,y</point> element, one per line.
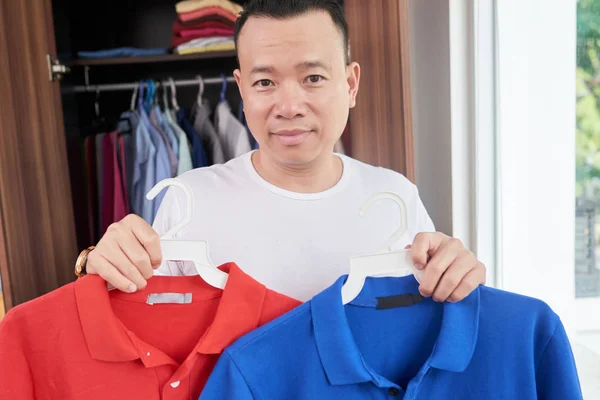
<point>403,216</point>
<point>201,86</point>
<point>223,87</point>
<point>96,103</point>
<point>135,92</point>
<point>173,94</point>
<point>172,233</point>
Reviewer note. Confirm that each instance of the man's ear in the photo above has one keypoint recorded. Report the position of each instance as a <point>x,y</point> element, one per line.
<point>353,77</point>
<point>238,79</point>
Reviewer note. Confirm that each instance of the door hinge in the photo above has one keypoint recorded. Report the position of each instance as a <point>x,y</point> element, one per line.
<point>56,70</point>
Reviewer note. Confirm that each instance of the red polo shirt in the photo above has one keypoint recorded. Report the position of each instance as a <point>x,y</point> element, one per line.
<point>83,342</point>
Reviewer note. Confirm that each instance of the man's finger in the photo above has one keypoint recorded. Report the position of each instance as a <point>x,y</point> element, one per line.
<point>424,245</point>
<point>132,260</point>
<point>111,274</point>
<point>149,239</point>
<point>453,277</point>
<point>439,263</point>
<point>469,283</point>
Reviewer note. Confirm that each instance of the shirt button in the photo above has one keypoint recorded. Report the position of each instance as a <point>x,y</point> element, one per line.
<point>393,391</point>
<point>175,384</point>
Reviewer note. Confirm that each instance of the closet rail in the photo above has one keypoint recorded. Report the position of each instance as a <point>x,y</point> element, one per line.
<point>112,87</point>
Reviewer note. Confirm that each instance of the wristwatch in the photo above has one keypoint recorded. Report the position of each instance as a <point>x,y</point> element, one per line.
<point>81,261</point>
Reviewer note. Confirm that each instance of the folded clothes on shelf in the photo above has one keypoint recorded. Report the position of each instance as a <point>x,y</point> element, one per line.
<point>122,52</point>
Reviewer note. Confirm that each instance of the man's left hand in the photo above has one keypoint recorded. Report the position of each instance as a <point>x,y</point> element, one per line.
<point>452,272</point>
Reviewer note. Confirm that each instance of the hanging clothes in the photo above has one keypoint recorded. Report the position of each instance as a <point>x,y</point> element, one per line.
<point>108,179</point>
<point>144,168</point>
<point>233,135</point>
<point>207,133</point>
<point>100,179</point>
<point>129,123</point>
<point>113,199</point>
<point>185,156</point>
<point>202,151</point>
<point>162,161</point>
<point>92,186</point>
<point>123,170</point>
<point>167,136</point>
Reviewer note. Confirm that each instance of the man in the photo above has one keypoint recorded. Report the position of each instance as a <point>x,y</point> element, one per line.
<point>288,213</point>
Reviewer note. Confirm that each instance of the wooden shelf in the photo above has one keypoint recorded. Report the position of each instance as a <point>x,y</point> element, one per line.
<point>148,59</point>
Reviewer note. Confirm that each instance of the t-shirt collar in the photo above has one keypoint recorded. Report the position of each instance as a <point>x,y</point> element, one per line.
<point>342,359</point>
<point>108,339</point>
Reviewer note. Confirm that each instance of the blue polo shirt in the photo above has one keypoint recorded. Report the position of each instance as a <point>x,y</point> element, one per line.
<point>491,345</point>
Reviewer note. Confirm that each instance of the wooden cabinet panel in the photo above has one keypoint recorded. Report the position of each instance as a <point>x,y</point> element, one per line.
<point>37,230</point>
<point>381,122</point>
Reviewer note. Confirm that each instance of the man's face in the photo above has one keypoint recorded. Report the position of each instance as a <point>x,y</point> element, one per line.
<point>296,87</point>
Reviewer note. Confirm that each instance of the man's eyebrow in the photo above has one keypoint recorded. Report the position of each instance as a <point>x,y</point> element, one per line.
<point>313,64</point>
<point>265,69</point>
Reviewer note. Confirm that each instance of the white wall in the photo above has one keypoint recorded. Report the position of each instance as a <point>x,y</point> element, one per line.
<point>430,78</point>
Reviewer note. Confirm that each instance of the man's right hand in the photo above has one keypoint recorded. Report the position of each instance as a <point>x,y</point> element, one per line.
<point>127,254</point>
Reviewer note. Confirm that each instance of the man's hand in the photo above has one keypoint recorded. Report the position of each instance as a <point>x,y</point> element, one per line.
<point>452,272</point>
<point>127,254</point>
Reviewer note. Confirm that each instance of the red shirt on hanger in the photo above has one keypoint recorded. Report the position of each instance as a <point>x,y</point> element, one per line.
<point>82,341</point>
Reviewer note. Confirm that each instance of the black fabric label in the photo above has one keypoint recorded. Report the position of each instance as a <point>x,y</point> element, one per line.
<point>401,300</point>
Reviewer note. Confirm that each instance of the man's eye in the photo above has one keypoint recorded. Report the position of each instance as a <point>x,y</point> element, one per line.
<point>314,78</point>
<point>264,83</point>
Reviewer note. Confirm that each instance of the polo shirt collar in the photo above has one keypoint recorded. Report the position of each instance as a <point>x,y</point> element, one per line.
<point>341,358</point>
<point>108,339</point>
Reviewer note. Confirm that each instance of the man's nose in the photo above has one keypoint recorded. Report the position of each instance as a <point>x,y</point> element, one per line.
<point>290,102</point>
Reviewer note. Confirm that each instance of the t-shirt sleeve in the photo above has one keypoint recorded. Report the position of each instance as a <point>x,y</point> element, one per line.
<point>424,222</point>
<point>226,382</point>
<point>15,380</point>
<point>556,373</point>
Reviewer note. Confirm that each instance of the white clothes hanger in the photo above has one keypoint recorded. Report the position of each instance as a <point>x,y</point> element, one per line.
<point>133,96</point>
<point>173,94</point>
<point>195,251</point>
<point>200,90</point>
<point>386,262</point>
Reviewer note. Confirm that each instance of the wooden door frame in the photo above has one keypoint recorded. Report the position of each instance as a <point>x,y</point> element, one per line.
<point>381,122</point>
<point>37,236</point>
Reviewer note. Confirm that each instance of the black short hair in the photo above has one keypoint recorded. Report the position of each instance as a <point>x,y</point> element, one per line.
<point>282,9</point>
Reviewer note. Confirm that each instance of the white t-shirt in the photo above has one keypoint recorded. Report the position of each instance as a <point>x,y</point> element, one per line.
<point>295,243</point>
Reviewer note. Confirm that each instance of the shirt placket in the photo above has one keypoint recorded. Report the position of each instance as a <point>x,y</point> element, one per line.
<point>178,385</point>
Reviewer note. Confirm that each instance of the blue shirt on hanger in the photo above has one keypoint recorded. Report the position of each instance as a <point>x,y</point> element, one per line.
<point>389,343</point>
<point>162,164</point>
<point>144,171</point>
<point>199,157</point>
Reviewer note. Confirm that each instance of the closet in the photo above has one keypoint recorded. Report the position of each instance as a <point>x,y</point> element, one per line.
<point>50,99</point>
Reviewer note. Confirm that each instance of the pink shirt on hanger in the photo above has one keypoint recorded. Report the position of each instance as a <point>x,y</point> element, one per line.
<point>119,197</point>
<point>113,198</point>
